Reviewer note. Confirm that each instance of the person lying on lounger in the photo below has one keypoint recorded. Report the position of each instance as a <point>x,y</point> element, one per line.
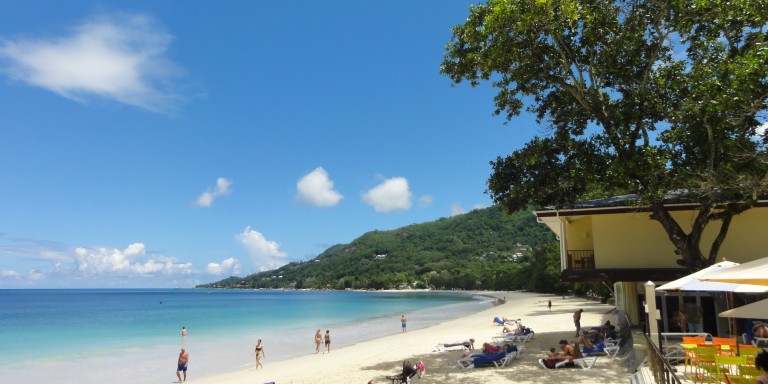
<point>565,358</point>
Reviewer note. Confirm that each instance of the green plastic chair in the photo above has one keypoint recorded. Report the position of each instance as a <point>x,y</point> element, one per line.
<point>729,365</point>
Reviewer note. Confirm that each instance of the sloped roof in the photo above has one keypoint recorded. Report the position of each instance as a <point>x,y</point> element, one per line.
<point>622,203</point>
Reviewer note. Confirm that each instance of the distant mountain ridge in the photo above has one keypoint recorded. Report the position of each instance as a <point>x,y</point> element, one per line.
<point>483,249</point>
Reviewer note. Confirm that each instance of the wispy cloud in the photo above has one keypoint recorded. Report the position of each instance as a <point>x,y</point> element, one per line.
<point>316,188</point>
<point>9,274</point>
<point>119,57</point>
<point>457,209</point>
<point>265,254</point>
<point>391,195</point>
<point>425,201</point>
<point>223,187</point>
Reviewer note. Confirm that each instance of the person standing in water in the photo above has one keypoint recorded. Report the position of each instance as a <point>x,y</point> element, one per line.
<point>183,331</point>
<point>259,352</point>
<point>403,322</point>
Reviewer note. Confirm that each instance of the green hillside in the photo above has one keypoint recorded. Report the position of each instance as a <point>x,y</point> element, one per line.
<point>482,249</point>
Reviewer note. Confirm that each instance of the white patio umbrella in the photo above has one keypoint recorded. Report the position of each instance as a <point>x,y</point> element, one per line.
<point>756,310</point>
<point>754,272</point>
<point>694,281</point>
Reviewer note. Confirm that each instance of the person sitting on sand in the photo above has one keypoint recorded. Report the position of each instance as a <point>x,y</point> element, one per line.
<point>563,359</point>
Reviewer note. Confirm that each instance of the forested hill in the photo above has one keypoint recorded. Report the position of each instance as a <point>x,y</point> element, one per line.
<point>482,249</point>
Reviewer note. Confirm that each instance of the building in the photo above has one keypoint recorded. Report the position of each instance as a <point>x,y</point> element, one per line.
<point>611,240</point>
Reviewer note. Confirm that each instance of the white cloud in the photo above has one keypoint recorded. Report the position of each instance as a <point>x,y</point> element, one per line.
<point>223,187</point>
<point>761,129</point>
<point>317,189</point>
<point>425,201</point>
<point>264,253</point>
<point>130,261</point>
<point>9,274</point>
<point>229,266</point>
<point>120,58</point>
<point>391,195</point>
<point>35,275</point>
<point>457,209</point>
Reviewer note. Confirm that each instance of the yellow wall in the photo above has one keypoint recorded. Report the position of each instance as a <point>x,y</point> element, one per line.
<point>632,240</point>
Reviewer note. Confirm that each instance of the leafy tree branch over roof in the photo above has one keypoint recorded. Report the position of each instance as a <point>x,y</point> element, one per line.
<point>642,97</point>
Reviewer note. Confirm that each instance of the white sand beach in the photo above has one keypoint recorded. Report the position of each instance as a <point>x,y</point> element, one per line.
<point>375,359</point>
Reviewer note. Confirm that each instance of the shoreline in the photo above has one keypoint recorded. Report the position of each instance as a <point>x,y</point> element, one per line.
<point>376,358</point>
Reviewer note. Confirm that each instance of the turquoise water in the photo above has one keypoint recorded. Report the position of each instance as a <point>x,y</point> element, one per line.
<point>63,334</point>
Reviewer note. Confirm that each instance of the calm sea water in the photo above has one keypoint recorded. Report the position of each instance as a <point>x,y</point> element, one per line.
<point>92,336</point>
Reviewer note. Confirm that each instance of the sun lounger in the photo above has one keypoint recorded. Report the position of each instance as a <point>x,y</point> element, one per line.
<point>498,360</point>
<point>464,346</point>
<point>586,362</point>
<point>599,349</point>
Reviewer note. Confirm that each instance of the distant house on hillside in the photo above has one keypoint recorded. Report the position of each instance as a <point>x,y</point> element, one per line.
<point>380,257</point>
<point>613,241</point>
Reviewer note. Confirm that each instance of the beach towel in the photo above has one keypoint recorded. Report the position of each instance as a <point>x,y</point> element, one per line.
<point>487,358</point>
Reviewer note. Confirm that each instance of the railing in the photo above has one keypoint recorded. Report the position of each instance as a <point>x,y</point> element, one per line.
<point>663,372</point>
<point>581,259</point>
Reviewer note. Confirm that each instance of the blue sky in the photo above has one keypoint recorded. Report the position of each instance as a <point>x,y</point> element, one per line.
<point>168,143</point>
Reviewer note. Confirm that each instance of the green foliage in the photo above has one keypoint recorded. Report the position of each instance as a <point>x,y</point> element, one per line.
<point>482,249</point>
<point>641,97</point>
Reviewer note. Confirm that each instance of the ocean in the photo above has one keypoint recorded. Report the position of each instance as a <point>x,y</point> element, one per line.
<point>89,336</point>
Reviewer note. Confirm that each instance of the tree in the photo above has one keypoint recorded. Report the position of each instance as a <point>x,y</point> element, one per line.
<point>640,96</point>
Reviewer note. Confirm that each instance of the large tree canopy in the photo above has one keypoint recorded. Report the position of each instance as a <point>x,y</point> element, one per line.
<point>645,97</point>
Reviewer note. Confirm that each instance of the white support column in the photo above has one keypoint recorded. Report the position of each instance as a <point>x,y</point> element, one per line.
<point>650,309</point>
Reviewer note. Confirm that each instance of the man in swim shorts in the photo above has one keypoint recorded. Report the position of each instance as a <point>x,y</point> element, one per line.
<point>403,320</point>
<point>182,366</point>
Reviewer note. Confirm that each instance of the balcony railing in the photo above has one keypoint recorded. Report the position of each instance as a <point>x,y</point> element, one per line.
<point>581,259</point>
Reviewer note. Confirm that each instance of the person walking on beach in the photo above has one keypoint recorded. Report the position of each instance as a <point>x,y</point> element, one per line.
<point>403,322</point>
<point>327,341</point>
<point>259,351</point>
<point>549,305</point>
<point>182,364</point>
<point>318,341</point>
<point>577,320</point>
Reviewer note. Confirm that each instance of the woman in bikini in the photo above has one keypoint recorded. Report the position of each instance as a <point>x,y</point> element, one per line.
<point>318,341</point>
<point>259,351</point>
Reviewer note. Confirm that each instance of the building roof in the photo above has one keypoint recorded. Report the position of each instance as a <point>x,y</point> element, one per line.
<point>622,204</point>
